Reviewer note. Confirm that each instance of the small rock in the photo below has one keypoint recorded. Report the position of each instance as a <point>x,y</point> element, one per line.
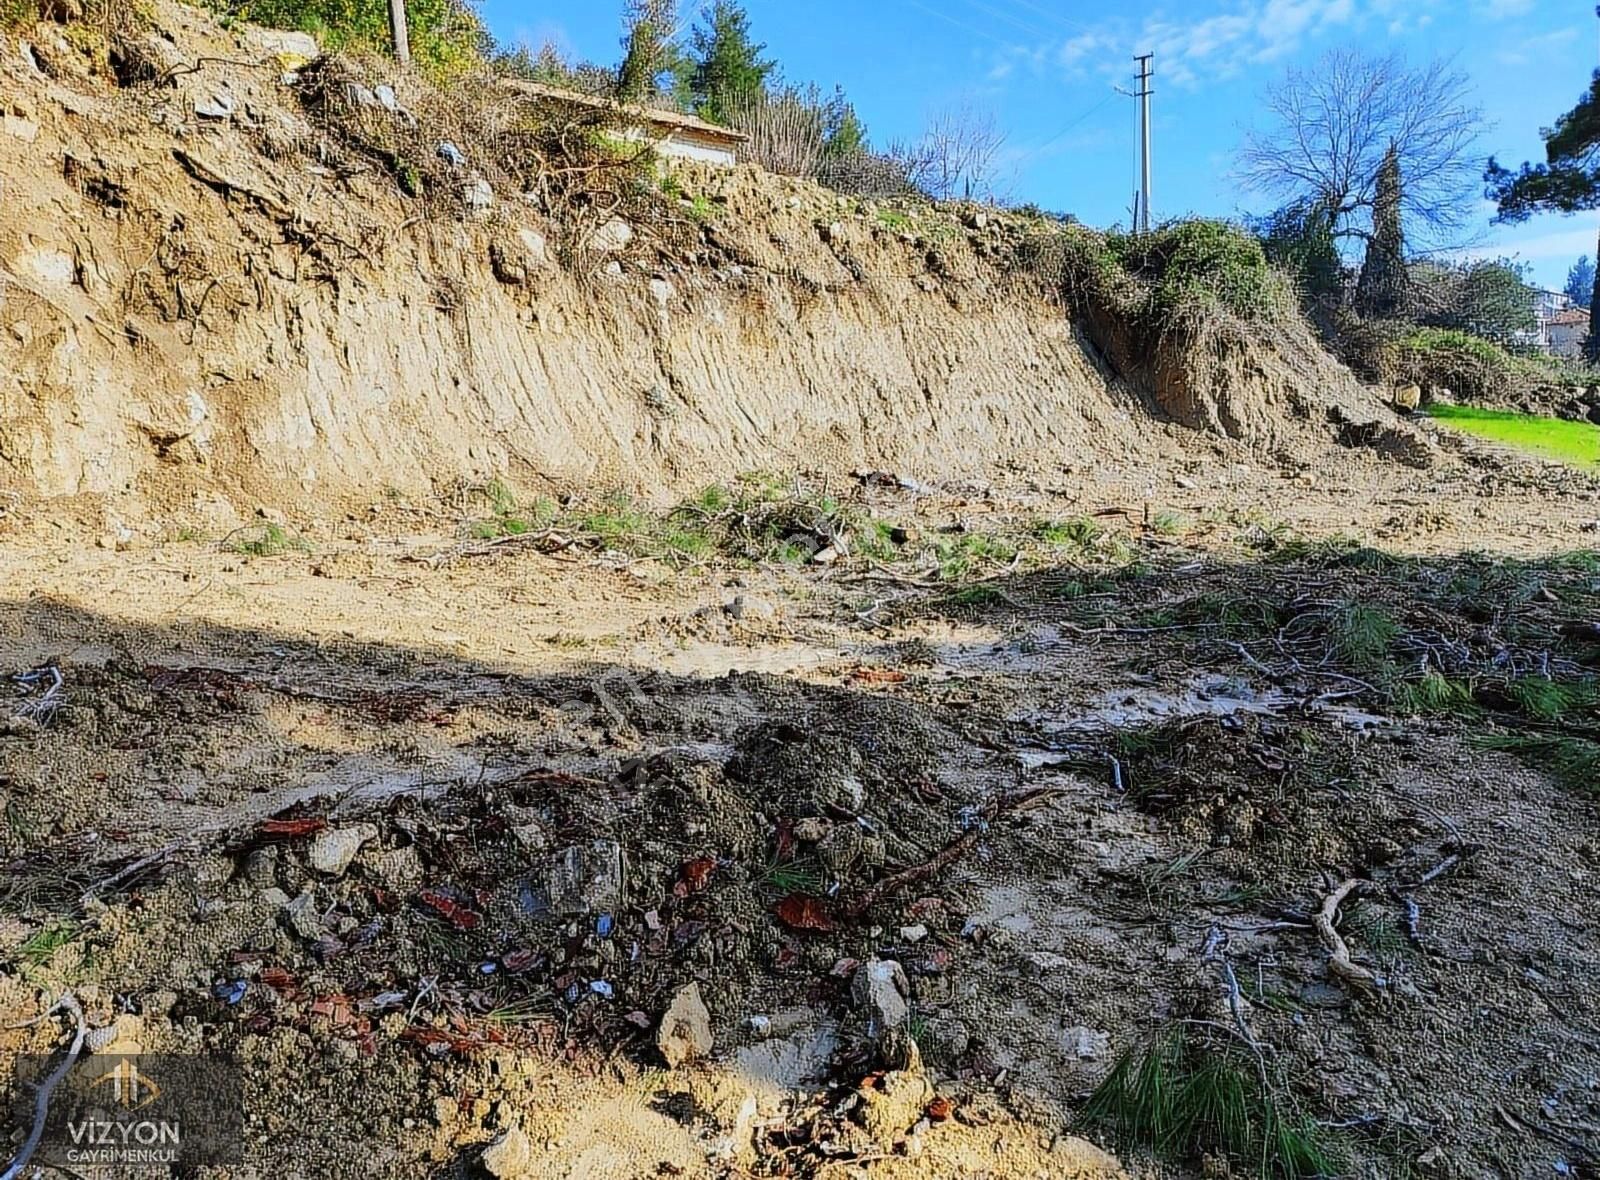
<point>283,43</point>
<point>977,219</point>
<point>218,106</point>
<point>509,1155</point>
<point>914,933</point>
<point>533,242</point>
<point>334,848</point>
<point>261,868</point>
<point>613,236</point>
<point>449,152</point>
<point>478,194</point>
<point>1185,483</point>
<point>1086,1044</point>
<point>386,99</point>
<point>302,917</point>
<point>586,879</point>
<point>748,606</point>
<point>24,129</point>
<point>811,829</point>
<point>881,990</point>
<point>685,1032</point>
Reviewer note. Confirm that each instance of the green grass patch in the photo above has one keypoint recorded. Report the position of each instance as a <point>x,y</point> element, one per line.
<point>41,947</point>
<point>1187,1102</point>
<point>1577,443</point>
<point>1572,761</point>
<point>978,594</point>
<point>1362,635</point>
<point>1433,693</point>
<point>266,540</point>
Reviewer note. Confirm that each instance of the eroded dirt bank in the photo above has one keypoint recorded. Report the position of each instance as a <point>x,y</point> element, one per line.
<point>214,300</point>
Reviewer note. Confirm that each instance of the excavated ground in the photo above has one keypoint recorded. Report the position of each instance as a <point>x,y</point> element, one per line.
<point>758,747</point>
<point>424,799</point>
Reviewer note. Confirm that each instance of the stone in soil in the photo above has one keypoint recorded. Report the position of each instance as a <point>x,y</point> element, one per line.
<point>508,1156</point>
<point>880,989</point>
<point>586,879</point>
<point>334,848</point>
<point>685,1032</point>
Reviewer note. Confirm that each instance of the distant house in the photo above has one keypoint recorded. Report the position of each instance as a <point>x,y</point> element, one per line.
<point>669,132</point>
<point>1547,305</point>
<point>1566,331</point>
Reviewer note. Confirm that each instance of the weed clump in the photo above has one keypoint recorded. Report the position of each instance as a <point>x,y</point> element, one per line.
<point>266,540</point>
<point>1186,1101</point>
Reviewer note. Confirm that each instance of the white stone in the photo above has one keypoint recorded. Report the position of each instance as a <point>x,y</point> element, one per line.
<point>533,242</point>
<point>283,42</point>
<point>685,1031</point>
<point>19,128</point>
<point>333,849</point>
<point>614,235</point>
<point>509,1156</point>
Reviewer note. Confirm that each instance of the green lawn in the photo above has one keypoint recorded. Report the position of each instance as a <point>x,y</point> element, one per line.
<point>1554,438</point>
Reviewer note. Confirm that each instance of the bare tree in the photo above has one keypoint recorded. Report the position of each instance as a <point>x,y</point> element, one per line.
<point>787,129</point>
<point>1330,126</point>
<point>957,156</point>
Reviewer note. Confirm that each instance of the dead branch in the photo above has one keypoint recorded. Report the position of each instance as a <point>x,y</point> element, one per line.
<point>950,853</point>
<point>1339,961</point>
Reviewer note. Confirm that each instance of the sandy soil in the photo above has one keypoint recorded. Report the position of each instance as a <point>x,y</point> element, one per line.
<point>486,713</point>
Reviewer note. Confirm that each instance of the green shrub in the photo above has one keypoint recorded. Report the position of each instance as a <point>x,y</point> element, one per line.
<point>447,38</point>
<point>1469,366</point>
<point>1202,261</point>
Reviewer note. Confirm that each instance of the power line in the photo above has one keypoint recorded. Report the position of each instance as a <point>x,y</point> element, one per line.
<point>1017,22</point>
<point>1099,106</point>
<point>957,22</point>
<point>1055,16</point>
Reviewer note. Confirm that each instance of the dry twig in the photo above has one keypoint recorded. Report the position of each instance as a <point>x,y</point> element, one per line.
<point>1339,961</point>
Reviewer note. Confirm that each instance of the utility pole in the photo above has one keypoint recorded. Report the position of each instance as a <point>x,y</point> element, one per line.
<point>397,30</point>
<point>1141,220</point>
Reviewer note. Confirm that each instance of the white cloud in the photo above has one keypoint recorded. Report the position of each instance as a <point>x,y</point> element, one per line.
<point>1222,40</point>
<point>1504,9</point>
<point>1533,49</point>
<point>1561,244</point>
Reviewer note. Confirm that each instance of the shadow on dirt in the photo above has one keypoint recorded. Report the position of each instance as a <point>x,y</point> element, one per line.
<point>400,860</point>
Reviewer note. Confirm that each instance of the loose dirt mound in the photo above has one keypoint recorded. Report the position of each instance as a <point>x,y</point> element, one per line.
<point>212,300</point>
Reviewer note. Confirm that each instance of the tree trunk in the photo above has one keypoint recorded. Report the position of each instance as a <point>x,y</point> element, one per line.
<point>397,28</point>
<point>1591,342</point>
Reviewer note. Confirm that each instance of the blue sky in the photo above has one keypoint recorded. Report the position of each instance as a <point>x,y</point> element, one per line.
<point>1045,70</point>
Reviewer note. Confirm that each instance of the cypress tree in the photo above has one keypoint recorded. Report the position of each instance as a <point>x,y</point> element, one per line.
<point>1381,289</point>
<point>727,71</point>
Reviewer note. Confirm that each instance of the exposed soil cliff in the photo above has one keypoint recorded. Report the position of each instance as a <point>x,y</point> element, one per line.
<point>209,302</point>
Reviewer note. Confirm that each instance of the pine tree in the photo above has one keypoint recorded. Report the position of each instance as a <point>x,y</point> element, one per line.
<point>844,134</point>
<point>648,49</point>
<point>1580,282</point>
<point>1381,289</point>
<point>726,70</point>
